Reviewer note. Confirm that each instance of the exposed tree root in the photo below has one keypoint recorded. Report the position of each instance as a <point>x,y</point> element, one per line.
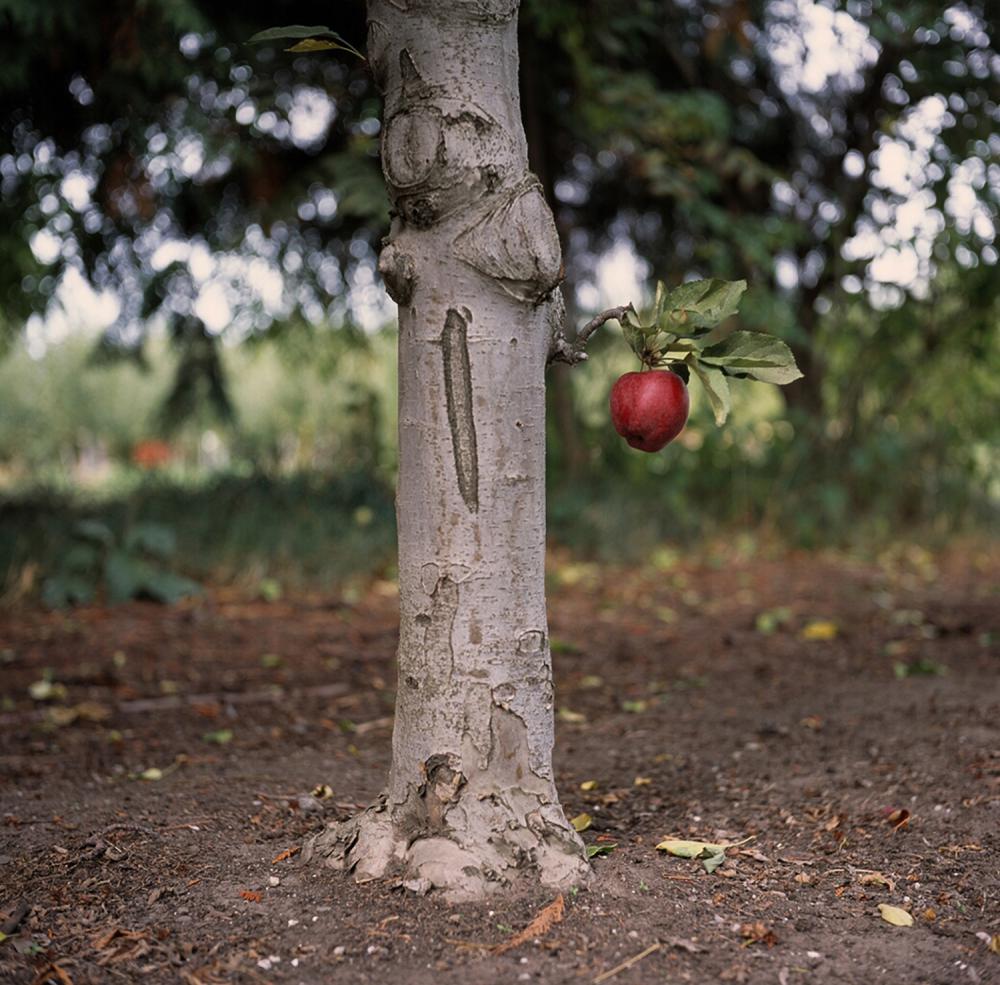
<point>463,845</point>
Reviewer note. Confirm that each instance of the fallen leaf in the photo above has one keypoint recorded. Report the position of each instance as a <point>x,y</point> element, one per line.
<point>286,854</point>
<point>767,622</point>
<point>877,879</point>
<point>594,850</point>
<point>46,690</point>
<point>641,781</point>
<point>683,944</point>
<point>819,629</point>
<point>688,849</point>
<point>250,896</point>
<point>322,791</point>
<point>992,941</point>
<point>581,822</point>
<point>61,716</point>
<point>571,717</point>
<point>51,971</point>
<point>588,785</point>
<point>920,667</point>
<point>543,922</point>
<point>694,849</point>
<point>894,915</point>
<point>757,933</point>
<point>220,738</point>
<point>898,818</point>
<point>710,854</point>
<point>711,862</point>
<point>153,773</point>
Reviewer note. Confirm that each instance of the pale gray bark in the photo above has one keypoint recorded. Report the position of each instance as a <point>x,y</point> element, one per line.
<point>473,261</point>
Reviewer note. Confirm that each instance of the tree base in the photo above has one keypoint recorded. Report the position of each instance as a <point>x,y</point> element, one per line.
<point>485,846</point>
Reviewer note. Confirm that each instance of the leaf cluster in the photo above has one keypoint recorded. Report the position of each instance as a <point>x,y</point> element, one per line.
<point>687,330</point>
<point>307,39</point>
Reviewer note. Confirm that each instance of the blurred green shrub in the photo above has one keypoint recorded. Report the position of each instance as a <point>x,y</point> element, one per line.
<point>132,568</point>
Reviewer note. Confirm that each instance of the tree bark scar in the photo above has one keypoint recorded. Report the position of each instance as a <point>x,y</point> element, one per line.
<point>438,625</point>
<point>458,392</point>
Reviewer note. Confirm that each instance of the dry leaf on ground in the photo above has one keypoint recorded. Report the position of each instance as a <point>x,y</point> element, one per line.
<point>546,919</point>
<point>895,915</point>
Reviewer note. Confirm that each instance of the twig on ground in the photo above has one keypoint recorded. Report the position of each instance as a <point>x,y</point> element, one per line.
<point>625,965</point>
<point>100,846</point>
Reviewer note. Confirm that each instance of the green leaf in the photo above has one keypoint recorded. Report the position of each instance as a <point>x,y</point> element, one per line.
<point>123,576</point>
<point>635,334</point>
<point>220,738</point>
<point>128,577</point>
<point>716,388</point>
<point>660,302</point>
<point>680,848</point>
<point>318,44</point>
<point>317,38</point>
<point>767,622</point>
<point>699,304</point>
<point>711,862</point>
<point>595,850</point>
<point>290,32</point>
<point>756,354</point>
<point>94,530</point>
<point>65,590</point>
<point>152,538</point>
<point>710,854</point>
<point>921,667</point>
<point>166,587</point>
<point>80,559</point>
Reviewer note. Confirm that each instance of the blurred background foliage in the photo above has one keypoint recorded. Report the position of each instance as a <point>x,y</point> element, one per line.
<point>194,334</point>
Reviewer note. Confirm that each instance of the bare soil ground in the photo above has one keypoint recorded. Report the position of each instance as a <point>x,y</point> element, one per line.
<point>846,715</point>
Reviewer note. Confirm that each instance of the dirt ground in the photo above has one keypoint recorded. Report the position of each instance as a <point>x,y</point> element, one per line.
<point>161,767</point>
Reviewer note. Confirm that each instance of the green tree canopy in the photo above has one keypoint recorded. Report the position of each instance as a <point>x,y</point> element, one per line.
<point>821,151</point>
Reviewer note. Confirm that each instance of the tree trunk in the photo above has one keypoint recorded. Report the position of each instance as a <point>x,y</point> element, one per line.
<point>473,262</point>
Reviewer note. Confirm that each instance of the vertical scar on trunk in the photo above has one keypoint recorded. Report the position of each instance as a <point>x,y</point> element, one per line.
<point>458,392</point>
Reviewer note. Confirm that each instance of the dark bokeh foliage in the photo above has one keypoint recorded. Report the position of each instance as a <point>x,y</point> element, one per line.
<point>841,157</point>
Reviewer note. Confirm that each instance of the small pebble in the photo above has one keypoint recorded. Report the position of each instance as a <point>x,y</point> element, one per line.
<point>339,951</point>
<point>273,881</point>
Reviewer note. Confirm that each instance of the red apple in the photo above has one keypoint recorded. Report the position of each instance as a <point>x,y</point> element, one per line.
<point>649,409</point>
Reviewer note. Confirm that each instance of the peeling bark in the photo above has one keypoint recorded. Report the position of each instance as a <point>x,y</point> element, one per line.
<point>473,261</point>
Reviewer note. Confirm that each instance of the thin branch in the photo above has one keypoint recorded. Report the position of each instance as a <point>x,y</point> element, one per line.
<point>625,965</point>
<point>572,352</point>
